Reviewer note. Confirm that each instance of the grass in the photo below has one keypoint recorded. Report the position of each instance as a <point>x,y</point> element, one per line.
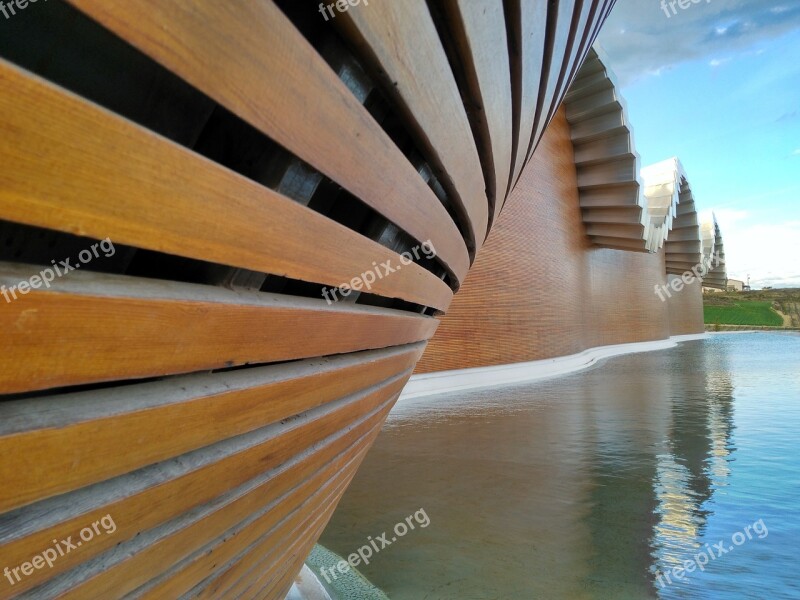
<point>754,308</point>
<point>743,312</point>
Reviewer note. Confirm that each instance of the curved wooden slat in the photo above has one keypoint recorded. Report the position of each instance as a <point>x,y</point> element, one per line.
<point>255,63</point>
<point>95,436</point>
<point>71,334</point>
<point>137,188</point>
<point>479,28</point>
<point>276,460</point>
<point>401,41</point>
<point>560,37</point>
<point>275,581</point>
<point>311,497</point>
<point>216,568</point>
<point>528,24</point>
<point>582,21</point>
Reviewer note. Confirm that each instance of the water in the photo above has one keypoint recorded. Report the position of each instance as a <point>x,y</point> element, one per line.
<point>595,484</point>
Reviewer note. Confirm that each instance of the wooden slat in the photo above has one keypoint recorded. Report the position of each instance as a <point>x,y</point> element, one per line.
<point>136,569</point>
<point>561,35</point>
<point>402,43</point>
<point>72,333</point>
<point>309,498</point>
<point>275,582</point>
<point>156,495</point>
<point>255,63</point>
<point>528,20</point>
<point>479,28</point>
<point>96,435</point>
<point>589,31</point>
<point>271,586</point>
<point>271,554</point>
<point>582,22</point>
<point>217,566</point>
<point>71,166</point>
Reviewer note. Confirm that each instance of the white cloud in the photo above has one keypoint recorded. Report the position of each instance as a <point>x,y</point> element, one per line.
<point>767,252</point>
<point>652,42</point>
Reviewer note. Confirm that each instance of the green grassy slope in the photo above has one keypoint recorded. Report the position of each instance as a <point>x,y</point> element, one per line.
<point>743,312</point>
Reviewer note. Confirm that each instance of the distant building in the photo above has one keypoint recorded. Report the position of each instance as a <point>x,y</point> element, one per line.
<point>734,285</point>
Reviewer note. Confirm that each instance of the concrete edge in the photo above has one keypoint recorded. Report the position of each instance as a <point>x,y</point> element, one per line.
<point>428,384</point>
<point>348,585</point>
<point>307,587</point>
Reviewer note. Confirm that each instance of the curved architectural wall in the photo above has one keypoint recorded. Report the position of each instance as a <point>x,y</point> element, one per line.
<point>595,255</point>
<point>540,288</point>
<point>195,402</point>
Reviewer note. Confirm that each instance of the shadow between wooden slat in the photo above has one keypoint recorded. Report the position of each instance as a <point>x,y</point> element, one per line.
<point>217,565</point>
<point>250,58</point>
<point>72,166</point>
<point>528,24</point>
<point>479,29</point>
<point>331,484</point>
<point>589,33</point>
<point>309,498</point>
<point>93,436</point>
<point>274,553</point>
<point>559,35</point>
<point>580,30</point>
<point>272,586</point>
<point>71,334</point>
<point>400,42</point>
<point>161,506</point>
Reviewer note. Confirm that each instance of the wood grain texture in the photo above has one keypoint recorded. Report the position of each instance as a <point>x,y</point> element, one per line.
<point>255,63</point>
<point>220,479</point>
<point>277,585</point>
<point>560,37</point>
<point>401,42</point>
<point>577,46</point>
<point>268,548</point>
<point>310,498</point>
<point>71,334</point>
<point>279,458</point>
<point>479,29</point>
<point>94,436</point>
<point>137,188</point>
<point>528,22</point>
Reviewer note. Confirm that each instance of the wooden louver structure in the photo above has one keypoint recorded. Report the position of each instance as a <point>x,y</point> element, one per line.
<point>195,386</point>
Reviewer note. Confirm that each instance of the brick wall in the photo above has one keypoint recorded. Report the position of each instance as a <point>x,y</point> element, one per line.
<point>539,290</point>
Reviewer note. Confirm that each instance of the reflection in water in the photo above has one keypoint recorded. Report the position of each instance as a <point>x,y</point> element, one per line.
<point>592,485</point>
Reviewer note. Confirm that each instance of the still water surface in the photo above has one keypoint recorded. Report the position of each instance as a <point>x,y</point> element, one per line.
<point>594,484</point>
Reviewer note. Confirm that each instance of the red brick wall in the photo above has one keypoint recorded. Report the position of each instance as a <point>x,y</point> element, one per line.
<point>685,309</point>
<point>539,290</point>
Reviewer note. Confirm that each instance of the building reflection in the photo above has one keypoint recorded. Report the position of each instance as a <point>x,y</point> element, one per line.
<point>662,449</point>
<point>578,487</point>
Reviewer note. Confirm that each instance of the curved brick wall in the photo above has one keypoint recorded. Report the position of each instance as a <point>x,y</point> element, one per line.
<point>539,289</point>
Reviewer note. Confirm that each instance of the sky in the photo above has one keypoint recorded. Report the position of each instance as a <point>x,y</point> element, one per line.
<point>718,86</point>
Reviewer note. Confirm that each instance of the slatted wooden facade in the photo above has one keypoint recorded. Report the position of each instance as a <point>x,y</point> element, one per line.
<point>194,386</point>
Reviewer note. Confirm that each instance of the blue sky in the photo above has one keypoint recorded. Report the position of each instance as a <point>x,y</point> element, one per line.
<point>718,86</point>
